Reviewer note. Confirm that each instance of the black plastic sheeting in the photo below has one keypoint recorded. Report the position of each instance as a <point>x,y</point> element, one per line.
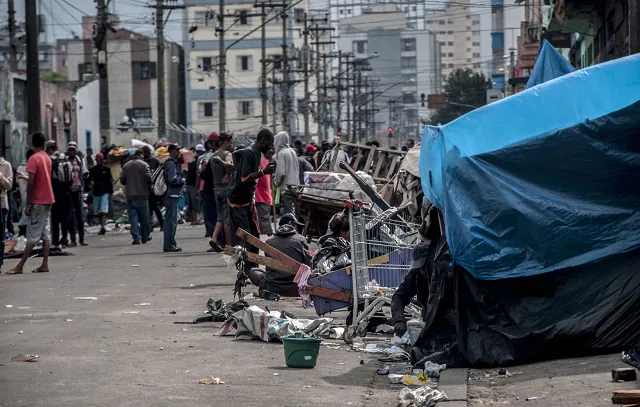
<point>586,310</point>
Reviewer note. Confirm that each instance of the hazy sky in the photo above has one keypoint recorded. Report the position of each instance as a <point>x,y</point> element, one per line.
<point>63,18</point>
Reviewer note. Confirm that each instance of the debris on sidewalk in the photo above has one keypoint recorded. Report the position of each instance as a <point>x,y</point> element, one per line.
<point>25,358</point>
<point>211,380</point>
<point>625,374</point>
<point>632,356</point>
<point>219,311</point>
<point>336,333</point>
<point>423,396</point>
<point>142,304</point>
<point>626,397</point>
<point>85,298</point>
<point>384,328</point>
<point>254,322</point>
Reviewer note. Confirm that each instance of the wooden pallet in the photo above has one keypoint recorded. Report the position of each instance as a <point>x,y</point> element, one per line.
<point>380,163</point>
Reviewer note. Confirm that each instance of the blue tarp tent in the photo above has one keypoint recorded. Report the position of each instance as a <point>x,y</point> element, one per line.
<point>549,65</point>
<point>543,180</point>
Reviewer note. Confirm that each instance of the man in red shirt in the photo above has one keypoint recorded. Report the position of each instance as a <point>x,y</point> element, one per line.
<point>39,202</point>
<point>264,198</point>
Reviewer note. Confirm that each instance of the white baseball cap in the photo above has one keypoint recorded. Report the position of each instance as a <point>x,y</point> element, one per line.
<point>200,147</point>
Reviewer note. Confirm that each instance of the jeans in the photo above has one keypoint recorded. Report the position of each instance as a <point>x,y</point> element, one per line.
<point>209,210</point>
<point>170,222</point>
<point>138,210</point>
<point>3,222</point>
<point>287,201</point>
<point>60,218</point>
<point>77,204</point>
<point>154,208</point>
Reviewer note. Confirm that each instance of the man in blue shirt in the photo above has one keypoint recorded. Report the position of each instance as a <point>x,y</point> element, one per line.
<point>175,182</point>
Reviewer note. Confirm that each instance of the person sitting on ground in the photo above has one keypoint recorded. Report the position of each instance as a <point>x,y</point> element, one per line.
<point>287,240</point>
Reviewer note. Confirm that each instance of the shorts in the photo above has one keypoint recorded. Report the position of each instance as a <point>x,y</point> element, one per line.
<point>264,218</point>
<point>222,207</point>
<point>101,204</point>
<point>38,224</point>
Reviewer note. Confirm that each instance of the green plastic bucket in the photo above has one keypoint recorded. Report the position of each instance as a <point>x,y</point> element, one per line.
<point>301,352</point>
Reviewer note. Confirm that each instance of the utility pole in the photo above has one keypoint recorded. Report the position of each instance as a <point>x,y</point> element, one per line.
<point>286,125</point>
<point>373,108</point>
<point>339,90</point>
<point>33,67</point>
<point>162,119</point>
<point>349,135</point>
<point>222,66</point>
<point>13,59</point>
<point>357,105</point>
<point>100,40</point>
<point>264,97</point>
<point>305,55</point>
<point>274,99</point>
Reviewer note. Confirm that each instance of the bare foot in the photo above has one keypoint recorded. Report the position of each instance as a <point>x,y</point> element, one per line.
<point>40,270</point>
<point>14,271</point>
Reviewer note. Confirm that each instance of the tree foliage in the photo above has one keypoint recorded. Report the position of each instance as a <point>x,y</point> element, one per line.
<point>53,76</point>
<point>465,90</point>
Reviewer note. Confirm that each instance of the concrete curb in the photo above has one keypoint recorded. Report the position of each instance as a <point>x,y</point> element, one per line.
<point>454,382</point>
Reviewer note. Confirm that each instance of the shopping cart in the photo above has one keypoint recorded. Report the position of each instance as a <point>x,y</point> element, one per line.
<point>381,256</point>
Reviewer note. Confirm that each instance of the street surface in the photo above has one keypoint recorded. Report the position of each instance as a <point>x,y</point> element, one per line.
<point>116,351</point>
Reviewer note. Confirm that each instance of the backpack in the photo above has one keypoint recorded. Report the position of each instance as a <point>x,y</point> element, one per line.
<point>62,170</point>
<point>158,182</point>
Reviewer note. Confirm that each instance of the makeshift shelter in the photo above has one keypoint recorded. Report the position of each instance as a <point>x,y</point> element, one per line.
<point>540,205</point>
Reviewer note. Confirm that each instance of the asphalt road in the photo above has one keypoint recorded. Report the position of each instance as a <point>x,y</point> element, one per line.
<point>118,352</point>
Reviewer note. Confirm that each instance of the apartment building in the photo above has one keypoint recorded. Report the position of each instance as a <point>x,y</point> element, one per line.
<point>403,63</point>
<point>132,66</point>
<point>243,66</point>
<point>46,50</point>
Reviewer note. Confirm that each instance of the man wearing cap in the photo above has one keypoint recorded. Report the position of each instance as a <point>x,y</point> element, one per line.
<point>191,181</point>
<point>77,201</point>
<point>175,182</point>
<point>102,188</point>
<point>286,240</point>
<point>136,178</point>
<point>222,167</point>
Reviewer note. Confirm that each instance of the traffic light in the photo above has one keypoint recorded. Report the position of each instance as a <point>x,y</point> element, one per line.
<point>390,130</point>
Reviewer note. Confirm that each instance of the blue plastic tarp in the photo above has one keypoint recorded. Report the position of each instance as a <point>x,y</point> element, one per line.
<point>543,180</point>
<point>549,65</point>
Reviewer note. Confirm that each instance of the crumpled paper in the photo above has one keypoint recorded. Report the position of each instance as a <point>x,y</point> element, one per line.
<point>423,396</point>
<point>254,322</point>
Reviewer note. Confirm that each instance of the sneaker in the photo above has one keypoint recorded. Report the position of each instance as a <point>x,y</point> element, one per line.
<point>146,240</point>
<point>135,242</point>
<point>84,244</point>
<point>172,250</point>
<point>73,244</point>
<point>102,231</point>
<point>215,246</point>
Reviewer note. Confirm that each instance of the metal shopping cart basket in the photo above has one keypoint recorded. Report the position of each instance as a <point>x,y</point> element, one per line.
<point>381,256</point>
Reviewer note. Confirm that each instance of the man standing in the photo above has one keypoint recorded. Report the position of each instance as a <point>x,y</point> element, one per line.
<point>242,208</point>
<point>88,160</point>
<point>264,197</point>
<point>222,167</point>
<point>174,188</point>
<point>192,188</point>
<point>39,201</point>
<point>154,208</point>
<point>136,177</point>
<point>100,176</point>
<point>287,170</point>
<point>287,240</point>
<point>61,183</point>
<point>77,202</point>
<point>207,194</point>
<point>6,183</point>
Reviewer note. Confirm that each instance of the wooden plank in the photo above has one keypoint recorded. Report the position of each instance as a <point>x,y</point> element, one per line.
<point>272,252</point>
<point>626,397</point>
<point>392,167</point>
<point>367,165</point>
<point>381,160</point>
<point>264,261</point>
<point>328,293</point>
<point>626,374</point>
<point>379,260</point>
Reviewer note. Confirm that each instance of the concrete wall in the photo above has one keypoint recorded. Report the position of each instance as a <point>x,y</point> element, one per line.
<point>88,116</point>
<point>56,109</point>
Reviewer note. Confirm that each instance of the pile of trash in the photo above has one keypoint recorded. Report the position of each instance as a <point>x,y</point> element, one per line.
<point>333,185</point>
<point>254,322</point>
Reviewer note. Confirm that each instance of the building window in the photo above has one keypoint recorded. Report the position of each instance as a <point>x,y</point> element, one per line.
<point>408,62</point>
<point>414,8</point>
<point>65,62</point>
<point>202,18</point>
<point>443,66</point>
<point>450,22</point>
<point>409,78</point>
<point>442,32</point>
<point>468,60</point>
<point>63,47</point>
<point>349,11</point>
<point>442,22</point>
<point>476,55</point>
<point>84,69</point>
<point>244,63</point>
<point>359,47</point>
<point>139,113</point>
<point>206,109</point>
<point>143,70</point>
<point>476,22</point>
<point>450,65</point>
<point>476,44</point>
<point>443,54</point>
<point>450,32</point>
<point>476,33</point>
<point>450,43</point>
<point>341,11</point>
<point>409,97</point>
<point>408,44</point>
<point>442,43</point>
<point>298,15</point>
<point>450,54</point>
<point>476,65</point>
<point>205,64</point>
<point>245,108</point>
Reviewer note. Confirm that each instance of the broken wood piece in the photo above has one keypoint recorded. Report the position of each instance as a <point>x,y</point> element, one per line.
<point>384,259</point>
<point>626,397</point>
<point>626,374</point>
<point>268,250</point>
<point>269,262</point>
<point>328,293</point>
